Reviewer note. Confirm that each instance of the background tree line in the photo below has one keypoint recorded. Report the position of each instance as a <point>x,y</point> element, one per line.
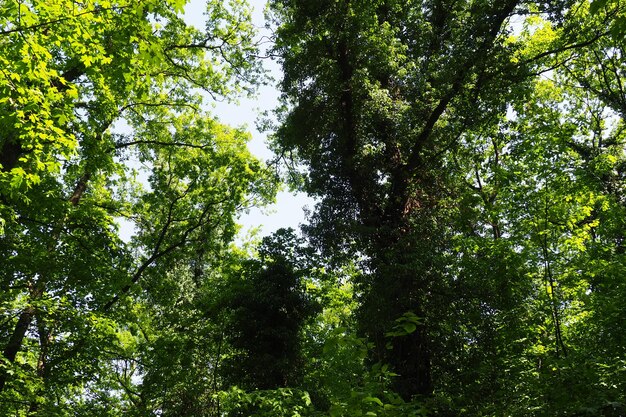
<point>466,255</point>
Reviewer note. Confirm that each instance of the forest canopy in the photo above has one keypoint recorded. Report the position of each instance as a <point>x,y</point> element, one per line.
<point>465,256</point>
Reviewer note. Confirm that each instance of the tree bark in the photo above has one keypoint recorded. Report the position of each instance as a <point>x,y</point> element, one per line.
<point>19,332</point>
<point>37,290</point>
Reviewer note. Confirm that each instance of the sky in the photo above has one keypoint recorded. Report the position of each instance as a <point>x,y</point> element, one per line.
<point>288,209</point>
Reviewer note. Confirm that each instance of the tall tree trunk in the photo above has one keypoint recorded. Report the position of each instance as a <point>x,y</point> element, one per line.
<point>24,322</point>
<point>399,286</point>
<point>14,345</point>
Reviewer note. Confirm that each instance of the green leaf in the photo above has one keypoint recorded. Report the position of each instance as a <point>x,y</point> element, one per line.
<point>374,400</point>
<point>596,5</point>
<point>409,327</point>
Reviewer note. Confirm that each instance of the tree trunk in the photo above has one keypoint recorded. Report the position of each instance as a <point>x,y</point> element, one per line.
<point>19,332</point>
<point>37,290</point>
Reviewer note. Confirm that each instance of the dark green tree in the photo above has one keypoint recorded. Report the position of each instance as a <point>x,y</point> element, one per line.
<point>375,94</point>
<point>268,308</point>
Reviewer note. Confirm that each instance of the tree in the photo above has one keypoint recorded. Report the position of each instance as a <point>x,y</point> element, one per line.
<point>268,308</point>
<point>443,158</point>
<point>535,233</point>
<point>376,92</point>
<point>72,72</point>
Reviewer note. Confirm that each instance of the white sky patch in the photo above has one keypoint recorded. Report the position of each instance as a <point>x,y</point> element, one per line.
<point>288,209</point>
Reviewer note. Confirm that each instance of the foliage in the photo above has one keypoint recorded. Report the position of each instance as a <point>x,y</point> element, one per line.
<point>267,307</point>
<point>466,255</point>
<point>469,153</point>
<point>75,309</point>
